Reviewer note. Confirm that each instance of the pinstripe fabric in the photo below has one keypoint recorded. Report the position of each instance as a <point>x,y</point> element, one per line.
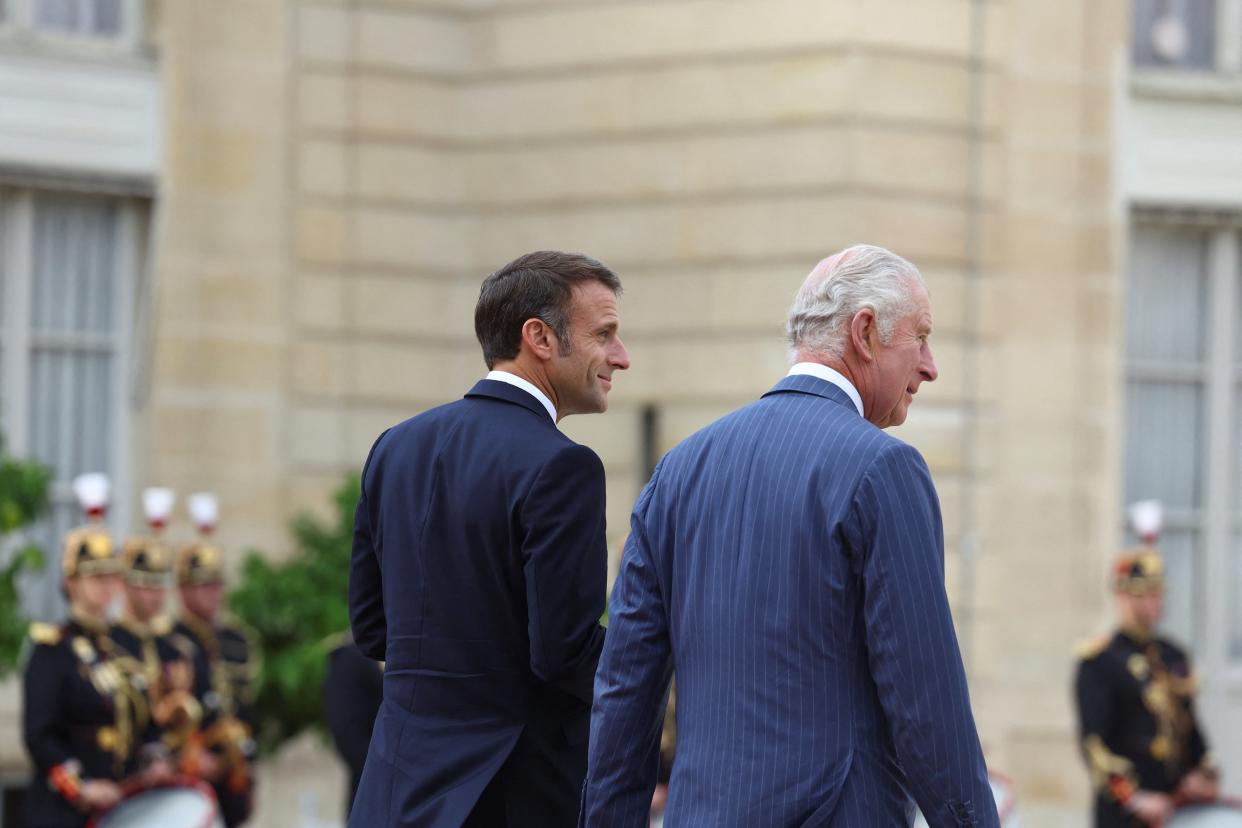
<point>787,562</point>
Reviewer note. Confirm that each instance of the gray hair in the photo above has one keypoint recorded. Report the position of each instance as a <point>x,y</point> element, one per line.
<point>861,276</point>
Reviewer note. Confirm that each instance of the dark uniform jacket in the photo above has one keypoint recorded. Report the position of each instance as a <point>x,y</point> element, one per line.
<point>225,664</point>
<point>78,720</point>
<point>1138,727</point>
<point>163,675</point>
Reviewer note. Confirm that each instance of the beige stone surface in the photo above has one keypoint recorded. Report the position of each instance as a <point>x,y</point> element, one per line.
<point>404,40</point>
<point>393,171</point>
<point>324,100</point>
<point>340,177</point>
<point>555,37</point>
<point>662,97</point>
<point>304,785</point>
<point>324,32</point>
<point>324,167</point>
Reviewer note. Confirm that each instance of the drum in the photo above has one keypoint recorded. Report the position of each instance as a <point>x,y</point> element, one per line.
<point>183,805</point>
<point>1214,815</point>
<point>1006,803</point>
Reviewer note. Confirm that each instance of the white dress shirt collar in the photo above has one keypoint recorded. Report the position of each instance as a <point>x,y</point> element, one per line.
<point>528,387</point>
<point>829,375</point>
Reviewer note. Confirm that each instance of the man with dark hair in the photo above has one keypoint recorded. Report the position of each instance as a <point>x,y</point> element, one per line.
<point>479,566</point>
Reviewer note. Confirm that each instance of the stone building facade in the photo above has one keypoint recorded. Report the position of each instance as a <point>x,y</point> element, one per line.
<point>337,176</point>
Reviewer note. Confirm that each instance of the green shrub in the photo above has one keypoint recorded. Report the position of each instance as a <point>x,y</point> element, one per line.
<point>23,498</point>
<point>293,607</point>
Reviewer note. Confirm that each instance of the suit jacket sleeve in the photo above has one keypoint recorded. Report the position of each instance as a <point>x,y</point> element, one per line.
<point>631,688</point>
<point>366,589</point>
<point>565,567</point>
<point>911,643</point>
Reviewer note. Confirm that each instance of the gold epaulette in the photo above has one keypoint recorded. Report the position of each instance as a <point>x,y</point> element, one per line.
<point>1092,647</point>
<point>48,634</point>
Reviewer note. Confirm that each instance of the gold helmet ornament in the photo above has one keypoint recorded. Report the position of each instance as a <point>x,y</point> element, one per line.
<point>201,562</point>
<point>1140,571</point>
<point>88,549</point>
<point>146,560</point>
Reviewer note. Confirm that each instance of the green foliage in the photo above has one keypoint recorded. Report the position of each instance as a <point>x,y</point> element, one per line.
<point>292,607</point>
<point>23,497</point>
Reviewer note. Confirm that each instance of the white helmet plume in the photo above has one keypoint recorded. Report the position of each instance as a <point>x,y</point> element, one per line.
<point>92,493</point>
<point>157,505</point>
<point>204,510</point>
<point>1147,518</point>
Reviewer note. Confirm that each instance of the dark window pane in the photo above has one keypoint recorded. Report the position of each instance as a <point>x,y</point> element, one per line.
<point>107,17</point>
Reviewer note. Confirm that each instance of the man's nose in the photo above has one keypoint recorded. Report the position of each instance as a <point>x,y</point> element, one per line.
<point>928,367</point>
<point>620,357</point>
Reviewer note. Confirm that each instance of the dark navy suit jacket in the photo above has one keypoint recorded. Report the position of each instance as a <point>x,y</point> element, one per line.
<point>478,574</point>
<point>787,562</point>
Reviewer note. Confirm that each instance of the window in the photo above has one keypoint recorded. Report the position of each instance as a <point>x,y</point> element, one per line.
<point>1177,34</point>
<point>1184,418</point>
<point>100,21</point>
<point>79,17</point>
<point>67,272</point>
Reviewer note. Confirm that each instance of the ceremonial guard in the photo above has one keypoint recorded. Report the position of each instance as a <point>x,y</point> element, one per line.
<point>1135,693</point>
<point>78,709</point>
<point>142,637</point>
<point>225,666</point>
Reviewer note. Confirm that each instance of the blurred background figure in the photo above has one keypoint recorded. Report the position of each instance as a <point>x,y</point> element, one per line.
<point>142,639</point>
<point>353,688</point>
<point>1136,700</point>
<point>222,752</point>
<point>78,720</point>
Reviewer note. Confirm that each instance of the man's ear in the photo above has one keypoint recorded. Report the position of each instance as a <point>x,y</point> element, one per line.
<point>862,329</point>
<point>539,338</point>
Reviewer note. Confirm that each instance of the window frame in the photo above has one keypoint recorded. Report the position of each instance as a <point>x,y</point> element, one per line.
<point>18,340</point>
<point>19,26</point>
<point>1219,520</point>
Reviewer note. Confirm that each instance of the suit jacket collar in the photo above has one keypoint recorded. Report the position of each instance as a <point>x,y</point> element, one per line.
<point>497,390</point>
<point>807,384</point>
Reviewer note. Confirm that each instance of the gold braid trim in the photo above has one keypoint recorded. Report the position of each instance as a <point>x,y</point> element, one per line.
<point>1110,773</point>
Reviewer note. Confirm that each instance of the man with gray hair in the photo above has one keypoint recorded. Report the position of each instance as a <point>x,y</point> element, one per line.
<point>788,562</point>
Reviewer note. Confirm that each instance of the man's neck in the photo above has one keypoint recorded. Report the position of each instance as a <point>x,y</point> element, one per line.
<point>92,622</point>
<point>134,622</point>
<point>193,619</point>
<point>535,377</point>
<point>835,363</point>
<point>1137,632</point>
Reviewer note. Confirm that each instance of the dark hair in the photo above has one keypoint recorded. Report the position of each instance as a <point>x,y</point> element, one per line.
<point>538,285</point>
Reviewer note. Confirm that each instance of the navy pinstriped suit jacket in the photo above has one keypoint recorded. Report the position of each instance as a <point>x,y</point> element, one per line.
<point>787,562</point>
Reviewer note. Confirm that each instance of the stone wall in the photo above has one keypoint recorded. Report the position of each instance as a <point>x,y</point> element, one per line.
<point>341,174</point>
